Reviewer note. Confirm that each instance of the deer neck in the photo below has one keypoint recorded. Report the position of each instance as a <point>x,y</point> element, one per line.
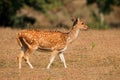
<point>73,34</point>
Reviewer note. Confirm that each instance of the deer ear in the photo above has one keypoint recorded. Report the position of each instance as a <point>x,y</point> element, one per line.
<point>78,19</point>
<point>73,19</point>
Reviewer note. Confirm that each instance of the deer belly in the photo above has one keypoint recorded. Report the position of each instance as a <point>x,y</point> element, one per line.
<point>51,46</point>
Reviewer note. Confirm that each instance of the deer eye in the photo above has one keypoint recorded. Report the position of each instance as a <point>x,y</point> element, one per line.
<point>82,23</point>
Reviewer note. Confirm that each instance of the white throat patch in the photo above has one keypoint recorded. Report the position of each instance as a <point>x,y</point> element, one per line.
<point>76,34</point>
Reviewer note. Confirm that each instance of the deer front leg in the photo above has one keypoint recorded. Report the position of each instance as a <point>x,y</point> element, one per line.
<point>61,55</point>
<point>53,55</point>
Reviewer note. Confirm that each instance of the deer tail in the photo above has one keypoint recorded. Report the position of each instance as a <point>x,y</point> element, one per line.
<point>22,42</point>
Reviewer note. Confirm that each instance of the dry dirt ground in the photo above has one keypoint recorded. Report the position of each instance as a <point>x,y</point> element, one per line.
<point>95,55</point>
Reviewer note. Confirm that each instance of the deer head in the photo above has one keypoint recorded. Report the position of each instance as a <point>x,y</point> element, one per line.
<point>79,24</point>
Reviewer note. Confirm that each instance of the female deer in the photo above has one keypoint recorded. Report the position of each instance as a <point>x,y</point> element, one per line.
<point>55,41</point>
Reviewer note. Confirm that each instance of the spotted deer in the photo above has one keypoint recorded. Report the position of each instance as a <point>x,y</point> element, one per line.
<point>55,41</point>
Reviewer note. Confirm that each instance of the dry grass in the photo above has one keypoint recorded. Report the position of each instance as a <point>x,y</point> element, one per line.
<point>95,55</point>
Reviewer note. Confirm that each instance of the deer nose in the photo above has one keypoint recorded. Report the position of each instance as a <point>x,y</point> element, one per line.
<point>86,27</point>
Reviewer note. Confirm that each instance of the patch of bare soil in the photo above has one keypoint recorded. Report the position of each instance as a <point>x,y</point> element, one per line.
<point>95,55</point>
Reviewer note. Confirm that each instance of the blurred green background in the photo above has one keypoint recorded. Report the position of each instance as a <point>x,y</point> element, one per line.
<point>98,14</point>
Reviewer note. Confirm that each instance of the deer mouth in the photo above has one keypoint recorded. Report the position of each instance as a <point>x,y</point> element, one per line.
<point>84,29</point>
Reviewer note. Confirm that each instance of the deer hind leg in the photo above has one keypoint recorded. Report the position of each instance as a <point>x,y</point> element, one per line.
<point>24,54</point>
<point>61,55</point>
<point>53,55</point>
<point>26,57</point>
<point>19,57</point>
